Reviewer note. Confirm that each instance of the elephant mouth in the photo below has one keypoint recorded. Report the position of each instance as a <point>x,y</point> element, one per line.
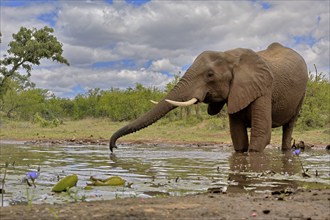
<point>208,98</point>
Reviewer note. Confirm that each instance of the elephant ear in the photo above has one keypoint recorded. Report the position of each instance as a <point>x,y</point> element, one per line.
<point>215,107</point>
<point>252,78</point>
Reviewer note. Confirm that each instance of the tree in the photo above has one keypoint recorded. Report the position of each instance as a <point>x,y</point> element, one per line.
<point>27,49</point>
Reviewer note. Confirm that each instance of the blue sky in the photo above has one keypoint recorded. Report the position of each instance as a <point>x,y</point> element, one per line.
<point>117,44</point>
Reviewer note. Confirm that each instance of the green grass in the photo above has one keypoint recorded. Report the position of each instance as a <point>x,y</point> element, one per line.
<point>210,131</point>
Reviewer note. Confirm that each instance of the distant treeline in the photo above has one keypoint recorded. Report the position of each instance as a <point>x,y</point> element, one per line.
<point>40,106</point>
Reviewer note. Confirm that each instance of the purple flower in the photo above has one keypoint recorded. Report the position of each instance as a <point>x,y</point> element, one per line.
<point>32,175</point>
<point>297,151</point>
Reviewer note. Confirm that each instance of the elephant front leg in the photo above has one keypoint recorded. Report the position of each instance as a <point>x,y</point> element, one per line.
<point>238,133</point>
<point>261,123</point>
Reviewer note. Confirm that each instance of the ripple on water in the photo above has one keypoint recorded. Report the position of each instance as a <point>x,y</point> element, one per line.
<point>154,170</point>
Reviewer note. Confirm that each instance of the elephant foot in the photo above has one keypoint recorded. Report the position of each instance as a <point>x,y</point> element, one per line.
<point>240,151</point>
<point>253,150</point>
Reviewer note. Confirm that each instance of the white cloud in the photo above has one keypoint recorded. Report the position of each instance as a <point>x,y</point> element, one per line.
<point>164,65</point>
<point>166,34</point>
<point>63,80</point>
<point>83,55</point>
<point>12,18</point>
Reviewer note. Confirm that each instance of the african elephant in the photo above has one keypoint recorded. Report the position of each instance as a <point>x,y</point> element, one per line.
<point>262,90</point>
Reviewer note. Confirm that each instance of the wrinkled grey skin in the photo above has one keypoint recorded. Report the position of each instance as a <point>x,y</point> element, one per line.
<point>262,90</point>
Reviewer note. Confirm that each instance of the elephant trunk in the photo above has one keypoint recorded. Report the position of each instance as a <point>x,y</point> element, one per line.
<point>178,93</point>
<point>157,112</point>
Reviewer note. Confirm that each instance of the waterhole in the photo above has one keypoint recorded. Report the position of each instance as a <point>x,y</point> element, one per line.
<point>154,171</point>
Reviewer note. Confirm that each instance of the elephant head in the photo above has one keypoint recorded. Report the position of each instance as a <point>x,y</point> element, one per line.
<point>236,77</point>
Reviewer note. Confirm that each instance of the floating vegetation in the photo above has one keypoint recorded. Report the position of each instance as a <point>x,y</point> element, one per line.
<point>66,183</point>
<point>111,181</point>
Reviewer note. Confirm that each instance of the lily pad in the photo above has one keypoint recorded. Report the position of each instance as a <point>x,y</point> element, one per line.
<point>111,181</point>
<point>88,187</point>
<point>65,183</point>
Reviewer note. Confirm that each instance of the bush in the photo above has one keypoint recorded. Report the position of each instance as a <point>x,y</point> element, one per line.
<point>38,119</point>
<point>315,112</point>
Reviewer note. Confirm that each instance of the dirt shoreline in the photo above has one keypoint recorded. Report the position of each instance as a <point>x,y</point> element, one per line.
<point>300,204</point>
<point>94,141</point>
<point>158,142</point>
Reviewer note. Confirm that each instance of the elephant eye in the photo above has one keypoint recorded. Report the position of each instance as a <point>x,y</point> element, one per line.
<point>210,73</point>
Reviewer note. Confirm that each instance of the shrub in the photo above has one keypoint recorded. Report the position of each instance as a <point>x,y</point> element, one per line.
<point>38,119</point>
<point>315,112</point>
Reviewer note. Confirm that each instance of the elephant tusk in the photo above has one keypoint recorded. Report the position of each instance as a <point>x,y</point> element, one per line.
<point>182,104</point>
<point>154,102</point>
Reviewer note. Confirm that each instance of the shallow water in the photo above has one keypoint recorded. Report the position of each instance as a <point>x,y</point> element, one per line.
<point>154,171</point>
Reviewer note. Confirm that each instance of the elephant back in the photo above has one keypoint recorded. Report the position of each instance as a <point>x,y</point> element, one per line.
<point>289,84</point>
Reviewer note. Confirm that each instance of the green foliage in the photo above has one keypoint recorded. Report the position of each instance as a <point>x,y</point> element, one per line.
<point>65,183</point>
<point>28,47</point>
<point>218,123</point>
<point>38,119</point>
<point>118,105</point>
<point>315,112</point>
<point>32,104</point>
<point>22,104</point>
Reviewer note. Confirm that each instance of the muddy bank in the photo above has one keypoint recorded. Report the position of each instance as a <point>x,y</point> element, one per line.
<point>299,204</point>
<point>101,141</point>
<point>92,141</point>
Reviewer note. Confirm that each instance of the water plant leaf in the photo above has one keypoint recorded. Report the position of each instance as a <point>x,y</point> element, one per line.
<point>65,183</point>
<point>111,181</point>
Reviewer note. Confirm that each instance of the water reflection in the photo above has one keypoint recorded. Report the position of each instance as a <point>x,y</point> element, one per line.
<point>154,170</point>
<point>254,171</point>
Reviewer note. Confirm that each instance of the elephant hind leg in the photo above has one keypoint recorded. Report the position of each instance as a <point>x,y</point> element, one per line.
<point>287,135</point>
<point>287,129</point>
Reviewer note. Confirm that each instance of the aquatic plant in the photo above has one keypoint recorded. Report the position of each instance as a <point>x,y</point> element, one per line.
<point>32,175</point>
<point>3,182</point>
<point>296,153</point>
<point>111,181</point>
<point>65,183</point>
<point>29,198</point>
